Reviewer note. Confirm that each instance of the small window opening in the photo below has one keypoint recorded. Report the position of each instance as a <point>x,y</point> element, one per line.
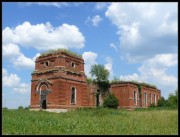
<point>73,96</point>
<point>145,99</point>
<point>73,65</point>
<point>135,99</point>
<point>46,64</point>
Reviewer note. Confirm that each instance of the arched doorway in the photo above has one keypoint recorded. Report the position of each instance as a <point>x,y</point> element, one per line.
<point>43,96</point>
<point>43,88</point>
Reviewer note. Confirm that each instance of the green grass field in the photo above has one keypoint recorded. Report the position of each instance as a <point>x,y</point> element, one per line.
<point>99,121</point>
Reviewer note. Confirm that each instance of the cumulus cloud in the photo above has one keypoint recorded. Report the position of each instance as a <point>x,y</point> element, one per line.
<point>10,50</point>
<point>51,4</point>
<point>23,88</point>
<point>150,27</point>
<point>131,77</point>
<point>13,54</point>
<point>27,35</point>
<point>89,59</point>
<point>37,55</point>
<point>24,62</point>
<point>101,5</point>
<point>4,72</point>
<point>13,81</point>
<point>154,71</point>
<point>10,80</point>
<point>108,66</point>
<point>94,20</point>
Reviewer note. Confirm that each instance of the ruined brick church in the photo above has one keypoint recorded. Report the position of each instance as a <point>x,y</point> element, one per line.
<point>59,82</point>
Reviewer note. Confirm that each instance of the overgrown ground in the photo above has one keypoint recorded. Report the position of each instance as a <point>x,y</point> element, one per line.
<point>91,122</point>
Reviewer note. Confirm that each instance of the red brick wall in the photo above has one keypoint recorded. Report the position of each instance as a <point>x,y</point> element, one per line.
<point>60,59</point>
<point>63,79</point>
<point>125,93</point>
<point>92,97</point>
<point>122,93</point>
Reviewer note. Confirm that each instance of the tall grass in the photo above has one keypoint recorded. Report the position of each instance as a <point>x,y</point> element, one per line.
<point>99,121</point>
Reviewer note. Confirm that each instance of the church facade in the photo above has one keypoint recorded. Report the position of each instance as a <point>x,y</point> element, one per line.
<point>59,82</point>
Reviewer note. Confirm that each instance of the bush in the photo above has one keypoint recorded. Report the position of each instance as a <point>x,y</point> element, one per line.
<point>111,101</point>
<point>152,105</point>
<point>5,108</point>
<point>27,107</point>
<point>20,107</point>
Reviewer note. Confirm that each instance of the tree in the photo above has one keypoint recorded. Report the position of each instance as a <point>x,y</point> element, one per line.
<point>161,102</point>
<point>100,75</point>
<point>172,101</point>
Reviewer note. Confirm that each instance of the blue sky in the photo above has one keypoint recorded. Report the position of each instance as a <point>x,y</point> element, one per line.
<point>135,41</point>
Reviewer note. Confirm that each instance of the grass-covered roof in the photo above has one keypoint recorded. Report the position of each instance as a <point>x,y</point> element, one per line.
<point>134,82</point>
<point>61,50</point>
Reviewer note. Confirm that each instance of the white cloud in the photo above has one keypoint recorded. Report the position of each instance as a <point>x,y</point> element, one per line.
<point>154,71</point>
<point>27,35</point>
<point>13,81</point>
<point>112,45</point>
<point>108,66</point>
<point>24,62</point>
<point>131,77</point>
<point>10,80</point>
<point>162,60</point>
<point>94,20</point>
<point>23,88</point>
<point>89,59</point>
<point>145,29</point>
<point>10,50</point>
<point>51,4</point>
<point>4,72</point>
<point>14,56</point>
<point>101,5</point>
<point>37,55</point>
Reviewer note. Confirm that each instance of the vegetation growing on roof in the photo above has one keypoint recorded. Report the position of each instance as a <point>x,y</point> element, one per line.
<point>117,81</point>
<point>61,50</point>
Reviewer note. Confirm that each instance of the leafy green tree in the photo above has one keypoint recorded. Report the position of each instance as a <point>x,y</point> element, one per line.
<point>111,101</point>
<point>172,101</point>
<point>100,75</point>
<point>161,102</point>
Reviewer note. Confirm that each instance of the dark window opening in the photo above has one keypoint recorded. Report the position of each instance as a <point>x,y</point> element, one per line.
<point>46,64</point>
<point>134,97</point>
<point>73,65</point>
<point>145,98</point>
<point>73,96</point>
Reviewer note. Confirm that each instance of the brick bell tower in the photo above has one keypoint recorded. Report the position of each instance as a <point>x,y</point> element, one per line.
<point>59,81</point>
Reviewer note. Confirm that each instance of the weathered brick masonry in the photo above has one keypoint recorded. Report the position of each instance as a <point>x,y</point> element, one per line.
<point>59,82</point>
<point>130,97</point>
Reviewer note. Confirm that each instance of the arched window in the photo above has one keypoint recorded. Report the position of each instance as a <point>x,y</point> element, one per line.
<point>46,64</point>
<point>73,95</point>
<point>154,98</point>
<point>150,98</point>
<point>73,65</point>
<point>145,99</point>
